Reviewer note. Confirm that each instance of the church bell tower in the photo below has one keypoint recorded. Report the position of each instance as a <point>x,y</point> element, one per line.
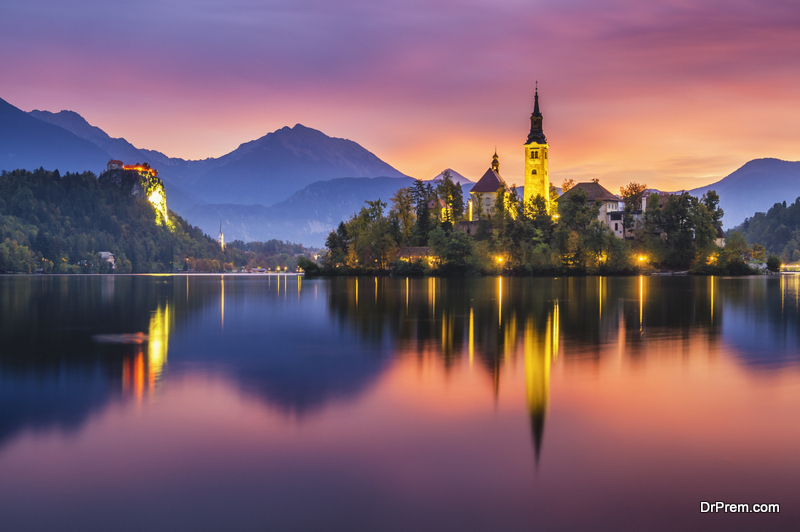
<point>537,180</point>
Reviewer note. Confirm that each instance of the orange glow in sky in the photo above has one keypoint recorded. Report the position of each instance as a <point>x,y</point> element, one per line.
<point>672,94</point>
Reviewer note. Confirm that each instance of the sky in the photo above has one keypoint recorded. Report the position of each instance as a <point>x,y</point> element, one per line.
<point>671,93</point>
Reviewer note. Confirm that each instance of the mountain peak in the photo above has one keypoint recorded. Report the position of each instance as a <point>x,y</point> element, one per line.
<point>455,176</point>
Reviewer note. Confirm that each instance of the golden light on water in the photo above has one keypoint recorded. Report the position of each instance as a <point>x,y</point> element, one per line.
<point>499,301</point>
<point>537,379</point>
<point>711,289</point>
<point>556,332</point>
<point>600,293</point>
<point>471,337</point>
<point>158,342</point>
<point>641,301</point>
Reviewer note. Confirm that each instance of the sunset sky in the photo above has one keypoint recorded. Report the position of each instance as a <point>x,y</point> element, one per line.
<point>675,94</point>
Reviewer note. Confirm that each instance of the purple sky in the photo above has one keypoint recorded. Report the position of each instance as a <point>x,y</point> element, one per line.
<point>670,93</point>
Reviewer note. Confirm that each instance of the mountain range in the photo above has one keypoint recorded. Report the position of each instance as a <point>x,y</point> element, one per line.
<point>755,187</point>
<point>295,183</point>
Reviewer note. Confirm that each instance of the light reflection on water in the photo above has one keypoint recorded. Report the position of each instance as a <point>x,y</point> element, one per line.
<point>394,404</point>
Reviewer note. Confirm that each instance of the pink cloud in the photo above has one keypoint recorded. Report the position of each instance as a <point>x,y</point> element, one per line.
<point>626,87</point>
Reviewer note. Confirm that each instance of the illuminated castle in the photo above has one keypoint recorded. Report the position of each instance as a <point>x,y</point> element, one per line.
<point>537,180</point>
<point>149,185</point>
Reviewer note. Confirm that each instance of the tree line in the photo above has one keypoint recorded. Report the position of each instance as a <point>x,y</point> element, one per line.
<point>776,232</point>
<point>675,232</point>
<point>59,223</point>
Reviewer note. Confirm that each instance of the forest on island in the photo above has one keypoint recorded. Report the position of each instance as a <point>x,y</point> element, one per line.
<point>60,223</point>
<point>675,232</point>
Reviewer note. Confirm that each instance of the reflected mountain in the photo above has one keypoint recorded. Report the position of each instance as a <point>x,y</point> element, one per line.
<point>52,372</point>
<point>70,345</point>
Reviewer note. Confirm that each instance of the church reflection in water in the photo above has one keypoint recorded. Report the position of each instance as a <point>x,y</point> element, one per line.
<point>300,345</point>
<point>501,324</point>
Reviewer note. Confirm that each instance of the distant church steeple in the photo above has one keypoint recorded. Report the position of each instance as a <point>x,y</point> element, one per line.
<point>537,180</point>
<point>495,162</point>
<point>537,133</point>
<point>221,238</point>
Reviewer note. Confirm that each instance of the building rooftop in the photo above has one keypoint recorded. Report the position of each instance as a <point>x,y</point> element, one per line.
<point>594,191</point>
<point>490,182</point>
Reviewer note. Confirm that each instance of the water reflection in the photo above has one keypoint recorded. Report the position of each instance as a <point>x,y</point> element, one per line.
<point>418,392</point>
<point>139,373</point>
<point>298,355</point>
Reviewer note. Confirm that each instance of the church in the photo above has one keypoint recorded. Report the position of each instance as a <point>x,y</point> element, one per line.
<point>537,183</point>
<point>537,179</point>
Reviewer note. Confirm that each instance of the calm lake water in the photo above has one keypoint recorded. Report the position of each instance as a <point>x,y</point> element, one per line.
<point>279,403</point>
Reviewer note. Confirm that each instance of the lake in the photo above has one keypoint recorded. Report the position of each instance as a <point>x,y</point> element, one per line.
<point>264,402</point>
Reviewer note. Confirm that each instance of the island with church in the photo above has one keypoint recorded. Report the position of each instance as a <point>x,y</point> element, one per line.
<point>579,228</point>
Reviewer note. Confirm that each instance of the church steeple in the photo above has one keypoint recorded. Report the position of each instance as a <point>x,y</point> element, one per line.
<point>495,162</point>
<point>537,181</point>
<point>537,134</point>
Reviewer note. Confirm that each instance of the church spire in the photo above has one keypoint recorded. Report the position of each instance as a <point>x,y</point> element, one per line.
<point>495,162</point>
<point>536,134</point>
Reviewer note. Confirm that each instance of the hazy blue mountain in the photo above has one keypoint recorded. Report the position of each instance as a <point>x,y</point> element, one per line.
<point>755,187</point>
<point>455,176</point>
<point>264,171</point>
<point>26,142</point>
<point>116,148</point>
<point>173,171</point>
<point>307,216</point>
<point>270,169</point>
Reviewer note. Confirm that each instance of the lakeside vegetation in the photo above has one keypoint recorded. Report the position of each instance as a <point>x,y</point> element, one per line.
<point>775,232</point>
<point>676,232</point>
<point>60,224</point>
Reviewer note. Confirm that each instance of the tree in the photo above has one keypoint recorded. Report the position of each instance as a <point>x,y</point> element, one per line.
<point>455,251</point>
<point>423,194</point>
<point>567,185</point>
<point>773,263</point>
<point>554,195</point>
<point>403,211</point>
<point>632,196</point>
<point>759,252</point>
<point>477,206</point>
<point>678,225</point>
<point>450,193</point>
<point>338,244</point>
<point>711,201</point>
<point>575,211</point>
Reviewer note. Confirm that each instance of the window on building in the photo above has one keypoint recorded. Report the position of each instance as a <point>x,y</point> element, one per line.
<point>616,226</point>
<point>545,154</point>
<point>533,172</point>
<point>535,154</point>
